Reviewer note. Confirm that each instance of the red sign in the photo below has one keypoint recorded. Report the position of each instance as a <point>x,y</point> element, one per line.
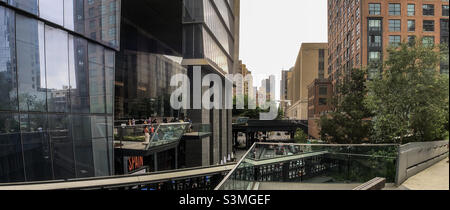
<point>135,163</point>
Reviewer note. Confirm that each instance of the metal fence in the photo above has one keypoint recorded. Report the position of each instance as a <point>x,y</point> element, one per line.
<point>417,156</point>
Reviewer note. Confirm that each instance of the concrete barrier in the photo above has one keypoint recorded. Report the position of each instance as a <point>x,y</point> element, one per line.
<point>418,156</point>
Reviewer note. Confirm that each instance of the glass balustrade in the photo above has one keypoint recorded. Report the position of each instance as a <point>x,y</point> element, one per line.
<point>312,164</point>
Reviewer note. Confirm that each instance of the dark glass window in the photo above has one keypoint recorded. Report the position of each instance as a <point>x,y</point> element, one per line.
<point>99,145</point>
<point>96,79</point>
<point>411,25</point>
<point>445,10</point>
<point>30,6</point>
<point>322,102</point>
<point>428,25</point>
<point>394,25</point>
<point>8,84</point>
<point>428,9</point>
<point>395,9</point>
<point>374,41</point>
<point>82,138</point>
<point>11,161</point>
<point>57,66</point>
<point>411,40</point>
<point>109,80</point>
<point>79,75</point>
<point>323,91</point>
<point>61,147</point>
<point>374,9</point>
<point>36,147</point>
<point>31,64</point>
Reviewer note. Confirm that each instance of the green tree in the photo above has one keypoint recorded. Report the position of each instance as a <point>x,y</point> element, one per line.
<point>349,123</point>
<point>300,137</point>
<point>410,98</point>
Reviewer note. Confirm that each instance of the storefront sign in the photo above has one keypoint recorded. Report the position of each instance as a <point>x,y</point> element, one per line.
<point>135,163</point>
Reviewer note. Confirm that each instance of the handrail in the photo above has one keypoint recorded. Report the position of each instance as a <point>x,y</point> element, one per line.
<point>100,182</point>
<point>235,168</point>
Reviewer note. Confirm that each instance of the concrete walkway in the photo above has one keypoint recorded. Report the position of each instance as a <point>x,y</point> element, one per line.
<point>435,177</point>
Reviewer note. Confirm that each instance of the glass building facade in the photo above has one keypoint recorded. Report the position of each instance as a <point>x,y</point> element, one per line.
<point>209,30</point>
<point>57,64</point>
<point>150,55</point>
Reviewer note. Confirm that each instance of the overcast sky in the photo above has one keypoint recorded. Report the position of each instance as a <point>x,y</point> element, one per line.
<point>272,31</point>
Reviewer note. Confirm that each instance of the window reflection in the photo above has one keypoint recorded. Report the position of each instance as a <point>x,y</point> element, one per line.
<point>56,54</point>
<point>61,147</point>
<point>11,162</point>
<point>36,147</point>
<point>52,10</point>
<point>143,89</point>
<point>8,84</point>
<point>96,79</point>
<point>30,64</point>
<point>79,75</point>
<point>27,5</point>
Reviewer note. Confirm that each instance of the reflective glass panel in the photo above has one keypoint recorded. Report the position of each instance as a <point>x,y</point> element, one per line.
<point>8,84</point>
<point>61,146</point>
<point>57,65</point>
<point>30,64</point>
<point>52,11</point>
<point>11,161</point>
<point>38,162</point>
<point>79,75</point>
<point>96,79</point>
<point>30,6</point>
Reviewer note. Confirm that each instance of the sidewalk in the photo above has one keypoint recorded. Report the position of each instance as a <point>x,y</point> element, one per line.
<point>434,178</point>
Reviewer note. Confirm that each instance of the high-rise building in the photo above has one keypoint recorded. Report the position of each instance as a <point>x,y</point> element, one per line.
<point>310,65</point>
<point>360,31</point>
<point>246,85</point>
<point>56,78</point>
<point>284,89</point>
<point>209,41</point>
<point>67,78</point>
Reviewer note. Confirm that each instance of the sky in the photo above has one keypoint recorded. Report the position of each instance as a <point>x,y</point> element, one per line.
<point>272,31</point>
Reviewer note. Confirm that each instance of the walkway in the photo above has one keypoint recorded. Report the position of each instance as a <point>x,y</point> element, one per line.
<point>435,177</point>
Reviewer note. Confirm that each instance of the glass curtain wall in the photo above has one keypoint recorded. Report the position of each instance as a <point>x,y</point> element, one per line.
<point>56,111</point>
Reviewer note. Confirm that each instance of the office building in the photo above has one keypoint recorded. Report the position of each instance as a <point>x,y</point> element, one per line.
<point>244,88</point>
<point>209,41</point>
<point>163,38</point>
<point>360,31</point>
<point>284,90</point>
<point>69,79</point>
<point>56,78</point>
<point>310,65</point>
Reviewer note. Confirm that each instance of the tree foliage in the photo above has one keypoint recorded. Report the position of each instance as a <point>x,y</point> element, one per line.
<point>300,137</point>
<point>410,98</point>
<point>349,123</point>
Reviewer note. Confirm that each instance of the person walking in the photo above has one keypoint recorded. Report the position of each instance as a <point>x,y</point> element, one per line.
<point>147,135</point>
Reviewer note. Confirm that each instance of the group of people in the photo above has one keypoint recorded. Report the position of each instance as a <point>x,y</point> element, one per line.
<point>149,129</point>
